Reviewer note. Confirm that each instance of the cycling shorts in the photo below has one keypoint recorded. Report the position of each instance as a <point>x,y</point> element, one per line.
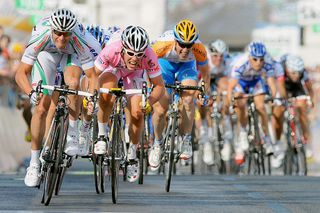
<point>181,71</point>
<point>253,87</point>
<point>47,66</point>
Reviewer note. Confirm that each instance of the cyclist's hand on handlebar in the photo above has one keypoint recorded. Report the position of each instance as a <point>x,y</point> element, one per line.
<point>88,104</point>
<point>204,100</point>
<point>35,97</point>
<point>147,108</point>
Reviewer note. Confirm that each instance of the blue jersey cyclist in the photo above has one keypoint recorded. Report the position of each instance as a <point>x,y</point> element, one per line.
<point>246,77</point>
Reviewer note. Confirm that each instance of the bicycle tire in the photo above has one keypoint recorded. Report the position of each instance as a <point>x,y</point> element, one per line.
<point>302,161</point>
<point>97,160</point>
<point>288,159</point>
<point>171,141</point>
<point>141,157</point>
<point>51,176</point>
<point>114,162</point>
<point>260,159</point>
<point>63,169</point>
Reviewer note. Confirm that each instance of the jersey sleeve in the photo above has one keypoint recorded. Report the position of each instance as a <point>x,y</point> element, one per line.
<point>40,38</point>
<point>200,53</point>
<point>161,48</point>
<point>151,64</point>
<point>110,55</point>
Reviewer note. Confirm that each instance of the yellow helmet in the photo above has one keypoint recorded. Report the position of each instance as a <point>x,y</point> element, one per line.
<point>185,31</point>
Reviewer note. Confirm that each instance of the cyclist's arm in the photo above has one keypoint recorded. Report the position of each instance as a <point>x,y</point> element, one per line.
<point>272,85</point>
<point>21,77</point>
<point>231,85</point>
<point>308,86</point>
<point>158,89</point>
<point>92,78</point>
<point>205,75</point>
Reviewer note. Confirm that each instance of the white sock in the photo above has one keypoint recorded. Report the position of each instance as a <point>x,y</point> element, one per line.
<point>73,124</point>
<point>102,128</point>
<point>35,154</point>
<point>243,129</point>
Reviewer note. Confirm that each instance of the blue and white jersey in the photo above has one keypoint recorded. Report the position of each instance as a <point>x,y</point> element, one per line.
<point>242,70</point>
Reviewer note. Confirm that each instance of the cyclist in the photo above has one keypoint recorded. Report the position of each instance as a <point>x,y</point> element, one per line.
<point>102,35</point>
<point>219,62</point>
<point>277,110</point>
<point>57,42</point>
<point>127,56</point>
<point>297,84</point>
<point>180,53</point>
<point>246,77</point>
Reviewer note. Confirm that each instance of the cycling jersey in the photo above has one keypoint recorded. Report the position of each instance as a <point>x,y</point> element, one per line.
<point>223,70</point>
<point>110,60</point>
<point>295,89</point>
<point>250,79</point>
<point>242,70</point>
<point>164,48</point>
<point>82,44</point>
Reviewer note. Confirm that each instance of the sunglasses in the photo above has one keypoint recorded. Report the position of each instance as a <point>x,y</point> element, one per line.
<point>258,59</point>
<point>217,55</point>
<point>184,45</point>
<point>132,53</point>
<point>64,34</point>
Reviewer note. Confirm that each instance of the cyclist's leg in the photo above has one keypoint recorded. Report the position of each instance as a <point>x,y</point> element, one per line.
<point>187,74</point>
<point>301,107</point>
<point>43,69</point>
<point>242,145</point>
<point>259,88</point>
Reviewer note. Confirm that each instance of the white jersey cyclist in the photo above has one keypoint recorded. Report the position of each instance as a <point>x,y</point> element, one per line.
<point>81,51</point>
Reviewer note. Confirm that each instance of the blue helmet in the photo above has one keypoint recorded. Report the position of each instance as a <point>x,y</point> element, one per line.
<point>98,32</point>
<point>257,49</point>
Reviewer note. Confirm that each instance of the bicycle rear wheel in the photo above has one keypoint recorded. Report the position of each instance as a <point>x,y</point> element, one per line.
<point>170,139</point>
<point>302,161</point>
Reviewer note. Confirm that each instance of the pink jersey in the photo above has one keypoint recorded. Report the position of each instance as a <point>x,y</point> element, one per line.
<point>110,60</point>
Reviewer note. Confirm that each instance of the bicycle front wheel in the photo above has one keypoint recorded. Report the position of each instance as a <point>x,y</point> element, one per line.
<point>170,139</point>
<point>54,162</point>
<point>115,140</point>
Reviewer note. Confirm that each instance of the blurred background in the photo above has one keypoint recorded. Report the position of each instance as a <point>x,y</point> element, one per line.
<point>284,25</point>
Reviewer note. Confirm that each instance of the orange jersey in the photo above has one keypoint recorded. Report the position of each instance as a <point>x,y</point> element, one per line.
<point>164,48</point>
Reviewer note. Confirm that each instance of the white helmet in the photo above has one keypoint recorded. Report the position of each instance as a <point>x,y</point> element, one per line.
<point>218,46</point>
<point>63,20</point>
<point>294,63</point>
<point>135,38</point>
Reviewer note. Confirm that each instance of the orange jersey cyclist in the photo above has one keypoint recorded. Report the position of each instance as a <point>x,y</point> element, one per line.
<point>180,54</point>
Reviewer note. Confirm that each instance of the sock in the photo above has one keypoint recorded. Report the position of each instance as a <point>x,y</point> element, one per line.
<point>35,154</point>
<point>102,129</point>
<point>73,124</point>
<point>85,125</point>
<point>156,141</point>
<point>243,129</point>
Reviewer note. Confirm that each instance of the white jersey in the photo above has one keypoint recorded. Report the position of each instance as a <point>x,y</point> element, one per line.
<point>82,44</point>
<point>223,70</point>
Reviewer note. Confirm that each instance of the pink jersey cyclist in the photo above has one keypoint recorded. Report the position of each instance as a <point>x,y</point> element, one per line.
<point>110,60</point>
<point>127,55</point>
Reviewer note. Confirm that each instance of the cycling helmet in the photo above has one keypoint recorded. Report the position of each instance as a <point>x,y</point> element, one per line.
<point>218,46</point>
<point>257,49</point>
<point>97,32</point>
<point>294,63</point>
<point>63,20</point>
<point>185,32</point>
<point>135,38</point>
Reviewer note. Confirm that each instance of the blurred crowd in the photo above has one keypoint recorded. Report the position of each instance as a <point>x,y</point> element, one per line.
<point>10,55</point>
